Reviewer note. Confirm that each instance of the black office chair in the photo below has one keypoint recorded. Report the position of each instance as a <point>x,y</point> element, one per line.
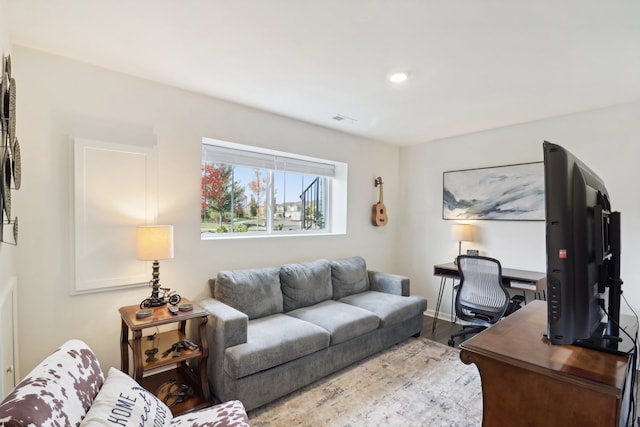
<point>482,300</point>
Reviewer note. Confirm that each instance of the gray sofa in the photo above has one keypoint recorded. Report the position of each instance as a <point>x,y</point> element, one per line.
<point>274,330</point>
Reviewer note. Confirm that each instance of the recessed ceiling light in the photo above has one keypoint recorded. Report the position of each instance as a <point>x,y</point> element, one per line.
<point>398,76</point>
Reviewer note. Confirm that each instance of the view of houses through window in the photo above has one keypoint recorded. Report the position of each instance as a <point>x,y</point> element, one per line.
<point>251,192</point>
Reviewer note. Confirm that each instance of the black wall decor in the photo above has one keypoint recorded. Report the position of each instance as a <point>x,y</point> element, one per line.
<point>10,169</point>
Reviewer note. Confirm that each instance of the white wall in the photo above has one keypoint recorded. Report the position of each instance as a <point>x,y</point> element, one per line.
<point>606,140</point>
<point>60,99</point>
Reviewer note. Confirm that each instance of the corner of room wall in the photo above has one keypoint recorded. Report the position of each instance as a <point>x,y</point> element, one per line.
<point>425,237</point>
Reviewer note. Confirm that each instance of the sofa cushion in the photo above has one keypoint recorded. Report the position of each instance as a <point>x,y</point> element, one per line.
<point>305,283</point>
<point>349,276</point>
<point>255,292</point>
<point>272,341</point>
<point>58,391</point>
<point>390,308</point>
<point>122,401</point>
<point>342,321</point>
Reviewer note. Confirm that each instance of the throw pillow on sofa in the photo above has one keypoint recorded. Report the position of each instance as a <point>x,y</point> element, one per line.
<point>255,292</point>
<point>122,401</point>
<point>349,276</point>
<point>305,283</point>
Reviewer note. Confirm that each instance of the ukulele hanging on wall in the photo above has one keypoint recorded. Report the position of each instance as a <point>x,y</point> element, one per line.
<point>379,216</point>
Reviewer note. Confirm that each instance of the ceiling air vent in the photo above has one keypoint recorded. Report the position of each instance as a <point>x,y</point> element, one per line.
<point>340,117</point>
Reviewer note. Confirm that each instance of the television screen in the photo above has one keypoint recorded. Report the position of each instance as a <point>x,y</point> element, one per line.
<point>582,237</point>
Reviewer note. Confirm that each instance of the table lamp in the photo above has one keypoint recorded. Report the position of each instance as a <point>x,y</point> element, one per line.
<point>460,233</point>
<point>155,242</point>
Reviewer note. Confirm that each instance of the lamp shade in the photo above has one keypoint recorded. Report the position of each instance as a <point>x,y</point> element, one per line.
<point>155,242</point>
<point>461,232</point>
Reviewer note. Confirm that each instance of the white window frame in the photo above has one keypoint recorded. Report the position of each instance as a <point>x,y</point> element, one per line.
<point>337,191</point>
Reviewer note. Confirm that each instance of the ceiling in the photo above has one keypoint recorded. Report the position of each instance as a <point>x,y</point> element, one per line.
<point>473,64</point>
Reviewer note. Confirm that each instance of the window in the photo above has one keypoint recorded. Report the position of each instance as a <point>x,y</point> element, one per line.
<point>247,191</point>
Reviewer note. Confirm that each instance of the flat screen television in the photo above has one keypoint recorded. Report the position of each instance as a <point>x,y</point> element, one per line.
<point>583,255</point>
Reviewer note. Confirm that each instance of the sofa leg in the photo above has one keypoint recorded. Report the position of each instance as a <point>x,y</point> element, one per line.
<point>417,334</point>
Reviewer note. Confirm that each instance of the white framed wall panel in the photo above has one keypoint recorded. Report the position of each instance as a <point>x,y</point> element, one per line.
<point>115,191</point>
<point>8,337</point>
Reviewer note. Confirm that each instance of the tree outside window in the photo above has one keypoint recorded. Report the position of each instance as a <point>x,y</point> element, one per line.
<point>237,199</point>
<point>248,192</point>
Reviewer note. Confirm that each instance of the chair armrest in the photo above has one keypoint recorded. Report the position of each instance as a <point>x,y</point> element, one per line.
<point>389,283</point>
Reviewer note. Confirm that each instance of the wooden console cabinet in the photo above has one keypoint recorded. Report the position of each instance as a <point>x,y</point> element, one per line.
<point>182,373</point>
<point>528,382</point>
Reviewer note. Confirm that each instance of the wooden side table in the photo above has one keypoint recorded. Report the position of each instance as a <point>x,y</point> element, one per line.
<point>181,373</point>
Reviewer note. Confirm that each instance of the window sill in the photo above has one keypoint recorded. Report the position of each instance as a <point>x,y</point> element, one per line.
<point>227,236</point>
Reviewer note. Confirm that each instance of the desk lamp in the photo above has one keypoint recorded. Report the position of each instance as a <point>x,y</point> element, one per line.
<point>155,242</point>
<point>460,233</point>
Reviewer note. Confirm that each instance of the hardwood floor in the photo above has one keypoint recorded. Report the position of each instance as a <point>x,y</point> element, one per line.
<point>443,331</point>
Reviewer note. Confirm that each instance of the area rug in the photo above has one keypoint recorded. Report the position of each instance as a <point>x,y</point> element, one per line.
<point>416,383</point>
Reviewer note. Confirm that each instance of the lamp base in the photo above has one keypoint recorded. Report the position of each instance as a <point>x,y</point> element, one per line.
<point>155,300</point>
<point>455,260</point>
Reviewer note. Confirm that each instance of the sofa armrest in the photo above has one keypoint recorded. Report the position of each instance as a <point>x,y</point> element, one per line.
<point>226,327</point>
<point>389,283</point>
<point>228,324</point>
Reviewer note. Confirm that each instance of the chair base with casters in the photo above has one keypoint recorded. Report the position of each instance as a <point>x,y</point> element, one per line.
<point>515,303</point>
<point>466,330</point>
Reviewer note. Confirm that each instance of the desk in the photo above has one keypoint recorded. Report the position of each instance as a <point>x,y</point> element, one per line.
<point>526,381</point>
<point>524,280</point>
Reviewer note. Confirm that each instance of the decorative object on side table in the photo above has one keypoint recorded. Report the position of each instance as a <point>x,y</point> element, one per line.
<point>178,346</point>
<point>152,350</point>
<point>185,307</point>
<point>171,393</point>
<point>143,313</point>
<point>155,242</point>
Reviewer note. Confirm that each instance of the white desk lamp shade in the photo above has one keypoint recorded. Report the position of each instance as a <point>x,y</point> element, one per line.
<point>461,232</point>
<point>155,242</point>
